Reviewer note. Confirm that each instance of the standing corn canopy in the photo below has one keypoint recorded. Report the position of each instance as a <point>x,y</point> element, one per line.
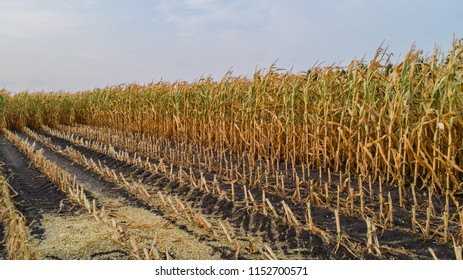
<point>402,122</point>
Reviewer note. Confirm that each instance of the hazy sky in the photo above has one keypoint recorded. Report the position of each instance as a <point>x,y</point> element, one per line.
<point>74,45</point>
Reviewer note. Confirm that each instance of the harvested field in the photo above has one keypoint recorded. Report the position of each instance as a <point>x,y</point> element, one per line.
<point>62,230</point>
<point>356,163</point>
<point>203,218</point>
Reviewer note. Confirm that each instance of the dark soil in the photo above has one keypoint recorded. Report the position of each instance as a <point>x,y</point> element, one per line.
<point>36,195</point>
<point>207,204</point>
<point>110,190</point>
<point>238,215</point>
<point>94,181</point>
<point>110,255</point>
<point>2,248</point>
<point>295,243</point>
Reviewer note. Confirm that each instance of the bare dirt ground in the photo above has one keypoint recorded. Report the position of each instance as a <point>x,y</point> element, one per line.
<point>62,230</point>
<point>2,248</point>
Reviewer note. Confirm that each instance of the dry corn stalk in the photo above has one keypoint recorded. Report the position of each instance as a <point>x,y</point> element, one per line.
<point>69,185</point>
<point>289,214</point>
<point>458,251</point>
<point>433,254</point>
<point>387,137</point>
<point>309,216</point>
<point>16,234</point>
<point>272,209</point>
<point>338,225</point>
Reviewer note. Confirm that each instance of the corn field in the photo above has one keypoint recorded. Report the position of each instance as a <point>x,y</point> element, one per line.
<point>403,123</point>
<point>377,142</point>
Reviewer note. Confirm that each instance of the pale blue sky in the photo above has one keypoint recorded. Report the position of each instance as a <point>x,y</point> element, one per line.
<point>74,45</point>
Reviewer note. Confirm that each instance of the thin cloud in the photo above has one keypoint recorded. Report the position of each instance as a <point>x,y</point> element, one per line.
<point>74,45</point>
<point>32,19</point>
<point>25,20</point>
<point>212,17</point>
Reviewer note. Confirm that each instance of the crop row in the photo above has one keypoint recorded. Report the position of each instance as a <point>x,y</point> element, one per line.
<point>76,192</point>
<point>248,198</point>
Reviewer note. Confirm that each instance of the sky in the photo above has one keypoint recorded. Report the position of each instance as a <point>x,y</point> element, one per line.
<point>54,45</point>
